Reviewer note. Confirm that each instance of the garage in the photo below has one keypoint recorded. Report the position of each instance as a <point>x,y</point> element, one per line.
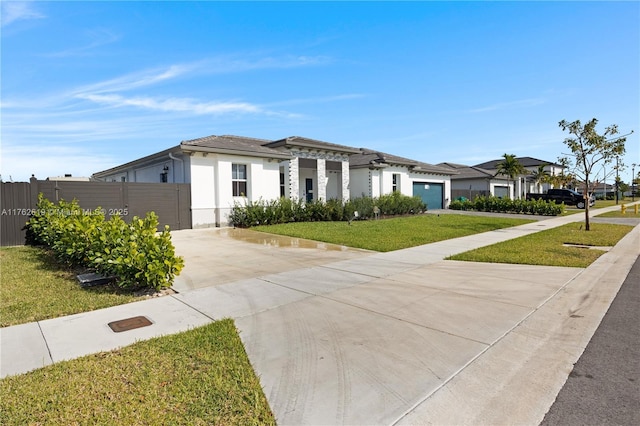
<point>432,194</point>
<point>501,191</point>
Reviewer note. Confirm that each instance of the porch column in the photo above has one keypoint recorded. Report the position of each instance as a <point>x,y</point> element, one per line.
<point>294,179</point>
<point>321,164</point>
<point>345,181</point>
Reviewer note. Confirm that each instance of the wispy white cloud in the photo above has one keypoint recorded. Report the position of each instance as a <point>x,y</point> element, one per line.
<point>173,104</point>
<point>13,11</point>
<point>322,99</point>
<point>99,37</point>
<point>137,80</point>
<point>523,103</point>
<point>220,65</point>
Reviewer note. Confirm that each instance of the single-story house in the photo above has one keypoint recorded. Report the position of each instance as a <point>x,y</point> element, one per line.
<point>225,170</point>
<point>375,173</point>
<point>524,183</point>
<point>472,181</point>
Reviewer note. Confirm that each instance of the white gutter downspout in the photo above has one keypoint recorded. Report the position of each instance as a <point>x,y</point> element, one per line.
<point>174,170</point>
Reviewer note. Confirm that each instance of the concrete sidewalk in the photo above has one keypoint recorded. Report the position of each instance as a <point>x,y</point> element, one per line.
<point>386,338</point>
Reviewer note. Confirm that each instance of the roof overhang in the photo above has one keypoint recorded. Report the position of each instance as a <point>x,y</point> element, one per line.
<point>139,162</point>
<point>274,155</point>
<point>298,142</point>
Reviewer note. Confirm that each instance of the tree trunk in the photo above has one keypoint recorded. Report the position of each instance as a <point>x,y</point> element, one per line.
<point>585,194</point>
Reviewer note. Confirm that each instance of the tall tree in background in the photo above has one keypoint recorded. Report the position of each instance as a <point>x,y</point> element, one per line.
<point>562,180</point>
<point>511,168</point>
<point>540,176</point>
<point>589,148</point>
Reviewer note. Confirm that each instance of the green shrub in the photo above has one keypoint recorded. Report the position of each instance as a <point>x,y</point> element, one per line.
<point>505,205</point>
<point>285,210</point>
<point>135,253</point>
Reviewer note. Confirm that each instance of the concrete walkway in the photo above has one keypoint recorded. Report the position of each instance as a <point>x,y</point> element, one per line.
<point>387,338</point>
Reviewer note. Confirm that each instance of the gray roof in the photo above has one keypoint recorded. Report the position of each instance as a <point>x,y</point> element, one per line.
<point>230,144</point>
<point>368,158</point>
<point>525,161</point>
<point>241,145</point>
<point>301,142</point>
<point>471,172</point>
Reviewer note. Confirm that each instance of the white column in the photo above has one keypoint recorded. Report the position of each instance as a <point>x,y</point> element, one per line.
<point>321,174</point>
<point>294,179</point>
<point>345,181</point>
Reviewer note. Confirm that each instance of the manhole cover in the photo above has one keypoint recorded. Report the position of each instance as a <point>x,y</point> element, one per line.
<point>129,324</point>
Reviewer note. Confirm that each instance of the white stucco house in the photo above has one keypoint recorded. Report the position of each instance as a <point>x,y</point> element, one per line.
<point>225,170</point>
<point>472,181</point>
<point>524,183</point>
<point>375,173</point>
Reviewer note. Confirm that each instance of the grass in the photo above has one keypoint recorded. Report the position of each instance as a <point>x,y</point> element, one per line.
<point>393,234</point>
<point>547,247</point>
<point>630,213</point>
<point>199,377</point>
<point>34,287</point>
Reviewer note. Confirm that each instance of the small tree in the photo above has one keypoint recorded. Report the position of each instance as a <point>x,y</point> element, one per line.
<point>511,168</point>
<point>588,148</point>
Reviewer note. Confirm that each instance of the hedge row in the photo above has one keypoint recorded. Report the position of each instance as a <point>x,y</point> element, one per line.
<point>505,205</point>
<point>286,210</point>
<point>135,253</point>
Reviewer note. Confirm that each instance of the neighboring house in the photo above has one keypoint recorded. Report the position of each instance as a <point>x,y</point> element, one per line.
<point>225,170</point>
<point>472,181</point>
<point>69,178</point>
<point>376,173</point>
<point>524,183</point>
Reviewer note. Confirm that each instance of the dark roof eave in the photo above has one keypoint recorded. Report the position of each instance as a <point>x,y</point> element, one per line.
<point>312,145</point>
<point>275,155</point>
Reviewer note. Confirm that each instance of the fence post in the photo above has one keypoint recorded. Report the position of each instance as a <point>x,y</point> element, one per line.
<point>33,192</point>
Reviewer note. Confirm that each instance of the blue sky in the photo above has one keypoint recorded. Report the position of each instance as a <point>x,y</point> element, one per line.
<point>90,85</point>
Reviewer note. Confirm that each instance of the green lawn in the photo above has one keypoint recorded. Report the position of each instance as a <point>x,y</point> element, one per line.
<point>34,287</point>
<point>618,213</point>
<point>199,377</point>
<point>547,247</point>
<point>393,234</point>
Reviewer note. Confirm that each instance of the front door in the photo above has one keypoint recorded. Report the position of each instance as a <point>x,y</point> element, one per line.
<point>308,185</point>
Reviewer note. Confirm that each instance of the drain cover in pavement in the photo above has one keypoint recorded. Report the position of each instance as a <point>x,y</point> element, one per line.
<point>129,324</point>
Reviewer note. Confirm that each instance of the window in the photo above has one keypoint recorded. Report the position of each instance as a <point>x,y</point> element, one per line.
<point>396,182</point>
<point>239,180</point>
<point>282,192</point>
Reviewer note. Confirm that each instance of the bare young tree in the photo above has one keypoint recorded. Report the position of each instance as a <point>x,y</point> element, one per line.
<point>589,148</point>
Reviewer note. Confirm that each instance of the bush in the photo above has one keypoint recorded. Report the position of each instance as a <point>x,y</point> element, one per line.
<point>135,253</point>
<point>505,205</point>
<point>285,210</point>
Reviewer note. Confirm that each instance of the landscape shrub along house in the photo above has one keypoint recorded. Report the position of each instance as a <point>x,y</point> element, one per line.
<point>226,170</point>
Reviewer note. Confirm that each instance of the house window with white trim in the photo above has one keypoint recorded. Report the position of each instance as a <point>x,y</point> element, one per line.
<point>395,182</point>
<point>239,179</point>
<point>282,189</point>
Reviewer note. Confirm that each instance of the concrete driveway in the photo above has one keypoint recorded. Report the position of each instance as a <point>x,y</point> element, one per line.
<point>341,336</point>
<point>217,256</point>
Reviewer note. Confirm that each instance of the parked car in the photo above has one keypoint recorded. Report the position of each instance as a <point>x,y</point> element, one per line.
<point>567,196</point>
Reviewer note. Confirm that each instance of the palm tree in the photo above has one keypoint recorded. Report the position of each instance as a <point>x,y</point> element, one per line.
<point>540,176</point>
<point>511,168</point>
